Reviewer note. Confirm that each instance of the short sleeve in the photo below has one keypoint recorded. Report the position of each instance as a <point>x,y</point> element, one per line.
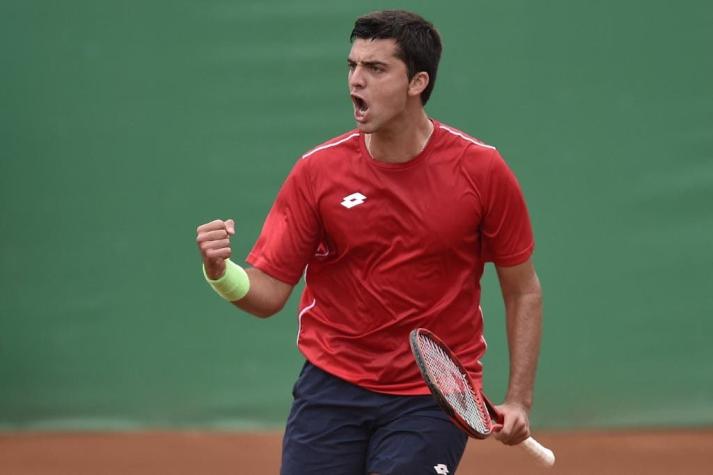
<point>291,231</point>
<point>506,229</point>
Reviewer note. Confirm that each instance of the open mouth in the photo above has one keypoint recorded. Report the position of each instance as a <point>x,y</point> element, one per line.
<point>359,104</point>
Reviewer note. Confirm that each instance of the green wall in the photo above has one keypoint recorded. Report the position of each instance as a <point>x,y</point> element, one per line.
<point>124,125</point>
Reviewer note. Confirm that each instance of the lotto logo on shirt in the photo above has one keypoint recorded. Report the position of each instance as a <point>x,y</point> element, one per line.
<point>353,200</point>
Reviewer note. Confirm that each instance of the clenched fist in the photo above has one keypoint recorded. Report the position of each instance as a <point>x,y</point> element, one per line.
<point>214,243</point>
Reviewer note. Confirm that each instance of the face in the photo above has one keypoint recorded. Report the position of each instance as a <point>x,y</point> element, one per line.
<point>378,84</point>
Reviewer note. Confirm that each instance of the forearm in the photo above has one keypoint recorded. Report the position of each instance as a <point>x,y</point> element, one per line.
<point>266,296</point>
<point>524,330</point>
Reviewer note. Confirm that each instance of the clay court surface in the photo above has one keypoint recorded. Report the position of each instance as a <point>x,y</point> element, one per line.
<point>202,453</point>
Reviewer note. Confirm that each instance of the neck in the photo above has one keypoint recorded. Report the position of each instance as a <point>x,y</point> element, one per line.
<point>400,142</point>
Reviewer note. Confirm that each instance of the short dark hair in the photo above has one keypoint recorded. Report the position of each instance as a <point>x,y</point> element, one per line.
<point>419,44</point>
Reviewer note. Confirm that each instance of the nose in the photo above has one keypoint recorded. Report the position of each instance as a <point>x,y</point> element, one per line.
<point>356,77</point>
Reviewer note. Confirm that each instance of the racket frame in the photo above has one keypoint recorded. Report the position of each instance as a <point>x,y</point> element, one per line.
<point>542,454</point>
<point>484,406</point>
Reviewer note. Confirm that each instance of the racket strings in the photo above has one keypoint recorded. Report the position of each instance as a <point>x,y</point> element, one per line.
<point>454,385</point>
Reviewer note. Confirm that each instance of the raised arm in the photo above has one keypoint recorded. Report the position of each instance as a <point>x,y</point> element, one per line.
<point>523,308</point>
<point>265,295</point>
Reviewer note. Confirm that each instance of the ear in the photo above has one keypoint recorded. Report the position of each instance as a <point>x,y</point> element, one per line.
<point>418,83</point>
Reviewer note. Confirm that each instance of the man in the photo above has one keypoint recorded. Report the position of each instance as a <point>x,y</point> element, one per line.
<point>391,225</point>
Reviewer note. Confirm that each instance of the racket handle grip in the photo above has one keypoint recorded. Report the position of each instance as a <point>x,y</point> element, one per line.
<point>543,455</point>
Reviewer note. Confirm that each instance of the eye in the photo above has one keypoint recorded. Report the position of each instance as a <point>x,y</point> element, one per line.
<point>376,68</point>
<point>351,66</point>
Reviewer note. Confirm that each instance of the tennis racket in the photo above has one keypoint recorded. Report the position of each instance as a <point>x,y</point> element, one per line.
<point>455,392</point>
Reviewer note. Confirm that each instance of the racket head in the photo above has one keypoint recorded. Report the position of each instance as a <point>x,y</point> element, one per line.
<point>450,384</point>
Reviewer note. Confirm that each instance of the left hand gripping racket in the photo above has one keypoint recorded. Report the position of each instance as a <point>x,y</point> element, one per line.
<point>455,392</point>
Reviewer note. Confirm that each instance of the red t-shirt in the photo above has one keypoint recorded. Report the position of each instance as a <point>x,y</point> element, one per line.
<point>386,248</point>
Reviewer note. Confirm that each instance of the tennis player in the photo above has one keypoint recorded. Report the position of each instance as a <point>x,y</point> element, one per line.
<point>391,225</point>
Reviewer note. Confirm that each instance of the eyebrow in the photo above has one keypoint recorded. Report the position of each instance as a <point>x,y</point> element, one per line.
<point>367,63</point>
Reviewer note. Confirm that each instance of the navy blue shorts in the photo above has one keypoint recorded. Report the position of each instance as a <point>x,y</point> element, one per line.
<point>337,428</point>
